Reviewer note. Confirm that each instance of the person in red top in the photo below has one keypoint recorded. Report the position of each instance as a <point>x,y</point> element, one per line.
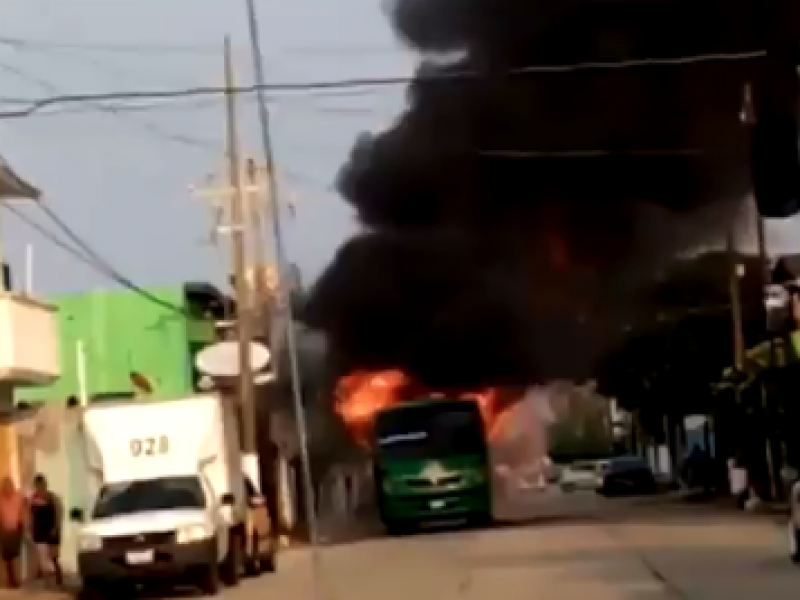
<point>12,529</point>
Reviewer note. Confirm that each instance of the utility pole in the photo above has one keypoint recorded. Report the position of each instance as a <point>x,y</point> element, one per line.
<point>285,309</point>
<point>257,208</point>
<point>739,351</point>
<point>749,117</point>
<point>736,304</point>
<point>243,297</point>
<point>776,486</point>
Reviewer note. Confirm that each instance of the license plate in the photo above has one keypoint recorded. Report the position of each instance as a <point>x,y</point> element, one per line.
<point>437,504</point>
<point>142,557</point>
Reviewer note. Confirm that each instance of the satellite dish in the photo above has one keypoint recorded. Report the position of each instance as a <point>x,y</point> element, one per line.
<point>222,359</point>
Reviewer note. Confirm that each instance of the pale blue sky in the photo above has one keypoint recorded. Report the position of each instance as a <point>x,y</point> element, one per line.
<point>122,182</point>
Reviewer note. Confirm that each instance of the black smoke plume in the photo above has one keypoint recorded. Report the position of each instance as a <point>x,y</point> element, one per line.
<point>514,216</point>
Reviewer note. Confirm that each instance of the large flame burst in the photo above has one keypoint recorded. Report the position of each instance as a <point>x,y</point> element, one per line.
<point>360,395</point>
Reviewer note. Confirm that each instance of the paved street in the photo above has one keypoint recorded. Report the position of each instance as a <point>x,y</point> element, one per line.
<point>552,547</point>
<point>581,547</point>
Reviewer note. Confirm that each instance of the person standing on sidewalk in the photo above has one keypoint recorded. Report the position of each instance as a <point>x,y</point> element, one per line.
<point>12,529</point>
<point>46,519</point>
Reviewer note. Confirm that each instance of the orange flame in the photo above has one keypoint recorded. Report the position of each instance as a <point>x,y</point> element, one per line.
<point>360,395</point>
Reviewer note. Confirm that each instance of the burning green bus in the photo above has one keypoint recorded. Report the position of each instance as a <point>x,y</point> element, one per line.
<point>431,464</point>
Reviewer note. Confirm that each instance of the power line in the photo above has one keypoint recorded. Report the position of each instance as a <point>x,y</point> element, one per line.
<point>118,48</point>
<point>98,106</point>
<point>190,49</point>
<point>101,267</point>
<point>86,254</point>
<point>128,108</point>
<point>195,104</point>
<point>522,154</point>
<point>36,105</point>
<point>53,238</point>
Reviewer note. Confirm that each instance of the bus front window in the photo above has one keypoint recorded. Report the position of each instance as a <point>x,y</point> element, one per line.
<point>429,433</point>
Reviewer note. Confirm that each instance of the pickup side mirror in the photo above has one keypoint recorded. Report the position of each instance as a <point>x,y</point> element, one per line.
<point>76,515</point>
<point>227,500</point>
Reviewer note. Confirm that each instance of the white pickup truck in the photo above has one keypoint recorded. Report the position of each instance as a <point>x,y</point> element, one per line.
<point>168,498</point>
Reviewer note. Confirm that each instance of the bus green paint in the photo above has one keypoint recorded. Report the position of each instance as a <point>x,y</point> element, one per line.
<point>422,479</point>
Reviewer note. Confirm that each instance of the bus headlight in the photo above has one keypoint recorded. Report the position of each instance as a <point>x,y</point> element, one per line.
<point>191,533</point>
<point>88,542</point>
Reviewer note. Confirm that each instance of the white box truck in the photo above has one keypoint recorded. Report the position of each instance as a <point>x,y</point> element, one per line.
<point>168,499</point>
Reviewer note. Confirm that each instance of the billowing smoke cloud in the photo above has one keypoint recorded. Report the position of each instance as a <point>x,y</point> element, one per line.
<point>508,211</point>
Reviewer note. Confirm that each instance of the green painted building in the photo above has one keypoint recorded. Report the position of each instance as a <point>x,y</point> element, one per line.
<point>125,332</point>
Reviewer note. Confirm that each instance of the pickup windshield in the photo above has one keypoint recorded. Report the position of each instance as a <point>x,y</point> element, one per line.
<point>148,495</point>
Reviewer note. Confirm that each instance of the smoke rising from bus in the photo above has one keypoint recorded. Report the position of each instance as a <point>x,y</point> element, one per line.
<point>513,218</point>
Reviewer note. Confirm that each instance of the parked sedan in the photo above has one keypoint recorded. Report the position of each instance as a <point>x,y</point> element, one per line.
<point>580,475</point>
<point>625,476</point>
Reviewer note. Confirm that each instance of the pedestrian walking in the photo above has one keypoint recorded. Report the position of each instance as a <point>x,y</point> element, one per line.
<point>46,519</point>
<point>739,482</point>
<point>12,529</point>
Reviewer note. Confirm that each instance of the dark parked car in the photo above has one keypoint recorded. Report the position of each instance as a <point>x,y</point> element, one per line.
<point>625,476</point>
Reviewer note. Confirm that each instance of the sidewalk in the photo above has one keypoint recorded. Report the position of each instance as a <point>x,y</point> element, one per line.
<point>776,511</point>
<point>718,557</point>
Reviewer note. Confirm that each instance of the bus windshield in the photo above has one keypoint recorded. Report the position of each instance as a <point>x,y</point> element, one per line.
<point>430,431</point>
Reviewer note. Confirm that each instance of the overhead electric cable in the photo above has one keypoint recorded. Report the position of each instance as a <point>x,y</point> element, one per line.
<point>100,263</point>
<point>117,48</point>
<point>54,239</point>
<point>367,82</point>
<point>102,107</point>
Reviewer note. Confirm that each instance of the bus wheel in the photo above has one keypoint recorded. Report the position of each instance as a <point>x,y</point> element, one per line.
<point>396,528</point>
<point>482,519</point>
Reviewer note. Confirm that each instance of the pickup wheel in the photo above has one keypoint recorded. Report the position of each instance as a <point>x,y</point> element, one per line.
<point>232,566</point>
<point>485,518</point>
<point>93,589</point>
<point>209,580</point>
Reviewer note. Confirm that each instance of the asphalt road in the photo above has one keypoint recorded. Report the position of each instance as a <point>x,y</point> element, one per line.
<point>550,547</point>
<point>553,548</point>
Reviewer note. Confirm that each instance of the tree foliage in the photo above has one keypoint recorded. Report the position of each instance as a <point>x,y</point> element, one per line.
<point>683,340</point>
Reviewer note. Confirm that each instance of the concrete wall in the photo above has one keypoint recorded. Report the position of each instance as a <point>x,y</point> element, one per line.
<point>51,444</point>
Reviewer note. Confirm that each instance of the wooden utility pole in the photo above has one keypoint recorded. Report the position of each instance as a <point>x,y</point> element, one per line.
<point>244,314</point>
<point>740,351</point>
<point>776,486</point>
<point>257,207</point>
<point>259,203</point>
<point>284,313</point>
<point>736,304</point>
